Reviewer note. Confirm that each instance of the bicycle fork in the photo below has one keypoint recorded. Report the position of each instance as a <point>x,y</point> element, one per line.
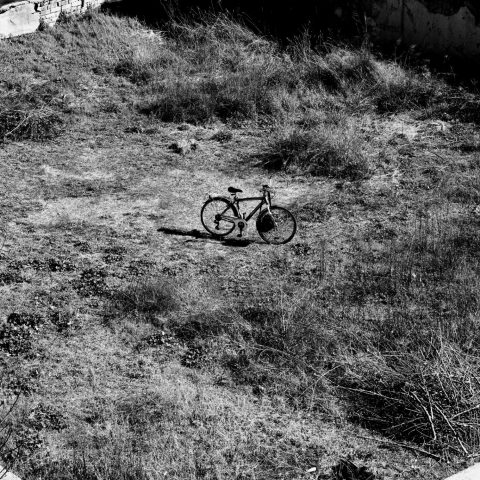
<point>269,202</point>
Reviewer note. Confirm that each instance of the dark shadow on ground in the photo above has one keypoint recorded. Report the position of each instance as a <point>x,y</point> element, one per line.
<point>234,242</point>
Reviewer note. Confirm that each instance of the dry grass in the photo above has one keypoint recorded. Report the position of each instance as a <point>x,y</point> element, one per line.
<point>180,356</point>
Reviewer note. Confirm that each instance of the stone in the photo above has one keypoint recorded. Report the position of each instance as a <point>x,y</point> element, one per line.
<point>7,475</point>
<point>18,18</point>
<point>472,473</point>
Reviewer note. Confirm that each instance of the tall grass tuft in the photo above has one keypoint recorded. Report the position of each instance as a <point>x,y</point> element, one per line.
<point>147,297</point>
<point>325,152</point>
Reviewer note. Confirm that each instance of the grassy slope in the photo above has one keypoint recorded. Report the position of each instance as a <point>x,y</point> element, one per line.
<point>147,353</point>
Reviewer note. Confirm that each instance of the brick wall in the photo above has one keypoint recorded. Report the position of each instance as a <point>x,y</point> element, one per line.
<point>51,9</point>
<point>20,17</point>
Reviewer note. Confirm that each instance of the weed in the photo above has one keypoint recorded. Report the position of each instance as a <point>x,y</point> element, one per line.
<point>113,254</point>
<point>91,282</point>
<point>16,333</point>
<point>162,338</point>
<point>47,417</point>
<point>62,321</point>
<point>148,297</point>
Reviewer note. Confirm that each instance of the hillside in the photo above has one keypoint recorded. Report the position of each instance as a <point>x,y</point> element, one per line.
<point>135,346</point>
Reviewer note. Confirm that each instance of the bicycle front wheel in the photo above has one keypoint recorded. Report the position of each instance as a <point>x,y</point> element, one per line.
<point>211,213</point>
<point>283,228</point>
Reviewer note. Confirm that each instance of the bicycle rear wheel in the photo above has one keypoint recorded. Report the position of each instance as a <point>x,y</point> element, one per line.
<point>210,216</point>
<point>284,229</point>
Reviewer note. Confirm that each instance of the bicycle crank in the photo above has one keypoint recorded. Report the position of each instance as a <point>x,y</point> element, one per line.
<point>242,226</point>
<point>240,223</point>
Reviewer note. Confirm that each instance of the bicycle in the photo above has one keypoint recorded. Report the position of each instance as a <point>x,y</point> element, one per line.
<point>220,216</point>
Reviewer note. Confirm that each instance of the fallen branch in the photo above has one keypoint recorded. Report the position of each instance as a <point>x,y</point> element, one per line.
<point>403,445</point>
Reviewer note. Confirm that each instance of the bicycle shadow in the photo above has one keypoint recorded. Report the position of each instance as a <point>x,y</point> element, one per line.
<point>197,234</point>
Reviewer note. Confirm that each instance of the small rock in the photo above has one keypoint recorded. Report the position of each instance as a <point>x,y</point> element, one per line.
<point>471,473</point>
<point>7,475</point>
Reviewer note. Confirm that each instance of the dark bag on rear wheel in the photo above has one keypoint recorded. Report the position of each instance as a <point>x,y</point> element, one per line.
<point>266,222</point>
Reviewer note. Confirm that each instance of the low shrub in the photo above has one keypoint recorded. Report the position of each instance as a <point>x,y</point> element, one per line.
<point>218,43</point>
<point>409,94</point>
<point>30,111</point>
<point>319,152</point>
<point>18,122</point>
<point>235,97</point>
<point>399,89</point>
<point>146,64</point>
<point>338,70</point>
<point>181,102</point>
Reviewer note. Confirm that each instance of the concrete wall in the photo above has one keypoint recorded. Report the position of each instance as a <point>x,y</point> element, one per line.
<point>443,27</point>
<point>20,17</point>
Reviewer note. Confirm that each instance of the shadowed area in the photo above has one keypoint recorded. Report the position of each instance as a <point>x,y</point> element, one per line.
<point>234,242</point>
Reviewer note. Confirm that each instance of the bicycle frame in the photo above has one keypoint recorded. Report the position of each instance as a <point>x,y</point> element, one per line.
<point>264,200</point>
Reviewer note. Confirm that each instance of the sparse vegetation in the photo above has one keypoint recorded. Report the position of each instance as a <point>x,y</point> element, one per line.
<point>143,349</point>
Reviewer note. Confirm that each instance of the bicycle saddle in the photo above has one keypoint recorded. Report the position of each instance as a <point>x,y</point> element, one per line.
<point>234,190</point>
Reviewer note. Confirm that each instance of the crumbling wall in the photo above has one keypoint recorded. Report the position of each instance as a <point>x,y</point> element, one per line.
<point>445,27</point>
<point>51,10</point>
<point>20,17</point>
